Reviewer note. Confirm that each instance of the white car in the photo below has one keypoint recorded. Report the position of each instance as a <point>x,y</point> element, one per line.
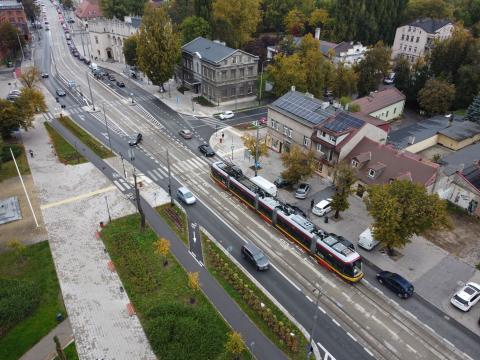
<point>323,207</point>
<point>186,196</point>
<point>226,115</point>
<point>468,296</point>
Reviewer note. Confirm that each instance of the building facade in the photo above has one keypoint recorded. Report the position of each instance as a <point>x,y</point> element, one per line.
<point>217,72</point>
<point>12,11</point>
<point>416,38</point>
<point>106,37</point>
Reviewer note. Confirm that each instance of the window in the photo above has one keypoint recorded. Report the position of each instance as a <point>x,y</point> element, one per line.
<point>414,49</point>
<point>354,163</point>
<point>409,48</point>
<point>274,123</point>
<point>250,71</point>
<point>371,173</point>
<point>405,48</point>
<point>319,147</point>
<point>233,73</point>
<point>96,39</point>
<point>250,89</point>
<point>330,155</point>
<point>224,75</point>
<point>403,37</point>
<point>324,134</point>
<point>306,141</point>
<point>418,38</point>
<point>407,38</point>
<point>287,131</point>
<point>233,91</point>
<point>409,28</point>
<point>225,93</point>
<point>242,73</point>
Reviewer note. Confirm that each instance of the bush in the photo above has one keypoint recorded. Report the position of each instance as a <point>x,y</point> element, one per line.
<point>18,299</point>
<point>5,153</point>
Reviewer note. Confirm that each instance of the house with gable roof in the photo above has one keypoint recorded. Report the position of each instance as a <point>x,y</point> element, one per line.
<point>218,72</point>
<point>380,164</point>
<point>386,105</point>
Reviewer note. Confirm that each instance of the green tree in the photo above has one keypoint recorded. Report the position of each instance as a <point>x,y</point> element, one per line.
<point>285,72</point>
<point>67,4</point>
<point>250,143</point>
<point>402,209</point>
<point>158,45</point>
<point>308,43</point>
<point>354,108</point>
<point>315,62</point>
<point>345,177</point>
<point>121,8</point>
<point>419,74</point>
<point>162,247</point>
<point>130,45</point>
<point>402,73</point>
<point>178,10</point>
<point>32,10</point>
<point>274,12</point>
<point>203,8</point>
<point>30,102</point>
<point>344,81</point>
<point>318,18</point>
<point>294,22</point>
<point>298,163</point>
<point>193,27</point>
<point>235,345</point>
<point>193,284</point>
<point>373,68</point>
<point>436,97</point>
<point>437,9</point>
<point>30,77</point>
<point>11,118</point>
<point>235,21</point>
<point>473,111</point>
<point>9,37</point>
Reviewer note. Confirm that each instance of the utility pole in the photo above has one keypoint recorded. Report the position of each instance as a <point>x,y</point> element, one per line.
<point>169,179</point>
<point>90,89</point>
<point>139,205</point>
<point>123,164</point>
<point>310,347</point>
<point>261,81</point>
<point>108,210</point>
<point>106,125</point>
<point>256,151</point>
<point>21,47</point>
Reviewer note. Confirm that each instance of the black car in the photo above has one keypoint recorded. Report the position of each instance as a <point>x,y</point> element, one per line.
<point>111,77</point>
<point>120,84</point>
<point>87,61</point>
<point>60,92</point>
<point>135,139</point>
<point>281,182</point>
<point>206,150</point>
<point>399,285</point>
<point>44,75</point>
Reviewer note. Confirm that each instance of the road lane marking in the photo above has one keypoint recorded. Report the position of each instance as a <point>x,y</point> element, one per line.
<point>368,351</point>
<point>411,349</point>
<point>309,298</point>
<point>351,336</point>
<point>336,322</point>
<point>321,309</point>
<point>77,198</point>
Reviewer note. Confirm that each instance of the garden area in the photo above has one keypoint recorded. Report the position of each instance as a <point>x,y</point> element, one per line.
<point>70,352</point>
<point>30,298</point>
<point>176,219</point>
<point>268,318</point>
<point>7,166</point>
<point>85,138</point>
<point>178,319</point>
<point>66,153</point>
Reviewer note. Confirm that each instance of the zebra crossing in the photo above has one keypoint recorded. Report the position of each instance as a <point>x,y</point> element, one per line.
<point>180,167</point>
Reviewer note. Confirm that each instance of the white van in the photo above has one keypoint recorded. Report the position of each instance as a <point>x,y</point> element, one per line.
<point>366,240</point>
<point>323,207</point>
<point>265,185</point>
<point>93,66</point>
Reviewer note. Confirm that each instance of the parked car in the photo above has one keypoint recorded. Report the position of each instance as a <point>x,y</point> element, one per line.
<point>398,284</point>
<point>60,92</point>
<point>366,240</point>
<point>281,182</point>
<point>81,58</point>
<point>185,133</point>
<point>12,97</point>
<point>256,256</point>
<point>135,139</point>
<point>111,77</point>
<point>15,92</point>
<point>206,150</point>
<point>323,207</point>
<point>390,79</point>
<point>186,196</point>
<point>87,61</point>
<point>226,115</point>
<point>76,53</point>
<point>302,191</point>
<point>468,296</point>
<point>120,84</point>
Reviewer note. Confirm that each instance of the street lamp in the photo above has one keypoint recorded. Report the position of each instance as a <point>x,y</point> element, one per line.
<point>310,347</point>
<point>261,81</point>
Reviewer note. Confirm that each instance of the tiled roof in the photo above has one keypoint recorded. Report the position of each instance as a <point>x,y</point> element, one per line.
<point>379,100</point>
<point>393,163</point>
<point>430,25</point>
<point>209,50</point>
<point>461,130</point>
<point>325,46</point>
<point>89,9</point>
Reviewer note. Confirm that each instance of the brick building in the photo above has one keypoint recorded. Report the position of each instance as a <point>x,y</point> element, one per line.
<point>12,11</point>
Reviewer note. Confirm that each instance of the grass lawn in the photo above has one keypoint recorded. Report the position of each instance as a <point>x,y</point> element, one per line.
<point>37,267</point>
<point>176,219</point>
<point>209,250</point>
<point>176,327</point>
<point>66,153</point>
<point>8,170</point>
<point>70,352</point>
<point>85,138</point>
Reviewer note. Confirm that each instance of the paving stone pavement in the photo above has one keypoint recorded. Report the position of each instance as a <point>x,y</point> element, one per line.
<point>73,201</point>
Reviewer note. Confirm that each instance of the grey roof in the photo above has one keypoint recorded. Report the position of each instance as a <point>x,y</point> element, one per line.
<point>472,174</point>
<point>463,157</point>
<point>430,25</point>
<point>421,130</point>
<point>343,121</point>
<point>208,49</point>
<point>136,21</point>
<point>325,46</point>
<point>303,107</point>
<point>461,131</point>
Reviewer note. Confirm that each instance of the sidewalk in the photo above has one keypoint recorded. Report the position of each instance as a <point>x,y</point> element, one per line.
<point>436,274</point>
<point>45,348</point>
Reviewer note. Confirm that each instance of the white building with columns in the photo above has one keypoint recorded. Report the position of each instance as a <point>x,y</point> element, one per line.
<point>106,37</point>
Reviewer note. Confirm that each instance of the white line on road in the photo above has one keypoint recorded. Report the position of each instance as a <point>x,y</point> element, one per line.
<point>321,309</point>
<point>309,298</point>
<point>411,349</point>
<point>336,322</point>
<point>119,186</point>
<point>448,342</point>
<point>368,352</point>
<point>351,336</point>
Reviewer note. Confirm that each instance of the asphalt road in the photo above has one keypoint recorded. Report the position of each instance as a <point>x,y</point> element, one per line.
<point>161,125</point>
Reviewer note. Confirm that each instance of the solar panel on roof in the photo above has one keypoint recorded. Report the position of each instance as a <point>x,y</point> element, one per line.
<point>303,107</point>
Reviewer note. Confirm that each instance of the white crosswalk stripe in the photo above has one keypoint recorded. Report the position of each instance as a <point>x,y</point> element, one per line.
<point>177,168</point>
<point>161,174</point>
<point>119,185</point>
<point>192,163</point>
<point>186,165</point>
<point>199,162</point>
<point>152,175</point>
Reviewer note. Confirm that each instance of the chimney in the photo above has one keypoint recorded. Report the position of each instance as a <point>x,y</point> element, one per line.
<point>450,118</point>
<point>317,33</point>
<point>411,140</point>
<point>307,94</point>
<point>293,88</point>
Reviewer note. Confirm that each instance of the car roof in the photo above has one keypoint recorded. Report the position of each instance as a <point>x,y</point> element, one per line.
<point>468,291</point>
<point>183,189</point>
<point>186,131</point>
<point>400,279</point>
<point>324,202</point>
<point>254,249</point>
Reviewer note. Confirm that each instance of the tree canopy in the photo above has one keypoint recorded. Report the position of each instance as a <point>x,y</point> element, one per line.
<point>295,22</point>
<point>299,164</point>
<point>473,111</point>
<point>373,68</point>
<point>193,27</point>
<point>250,143</point>
<point>436,9</point>
<point>402,209</point>
<point>236,21</point>
<point>9,37</point>
<point>121,8</point>
<point>436,97</point>
<point>158,45</point>
<point>130,49</point>
<point>285,72</point>
<point>345,177</point>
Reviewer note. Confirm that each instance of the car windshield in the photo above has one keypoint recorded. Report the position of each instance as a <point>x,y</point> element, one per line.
<point>188,194</point>
<point>460,300</point>
<point>258,256</point>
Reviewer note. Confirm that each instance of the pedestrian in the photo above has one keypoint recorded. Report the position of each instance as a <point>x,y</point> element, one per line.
<point>31,152</point>
<point>312,203</point>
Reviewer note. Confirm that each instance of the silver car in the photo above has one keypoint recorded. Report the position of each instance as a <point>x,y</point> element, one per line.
<point>256,256</point>
<point>302,191</point>
<point>186,196</point>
